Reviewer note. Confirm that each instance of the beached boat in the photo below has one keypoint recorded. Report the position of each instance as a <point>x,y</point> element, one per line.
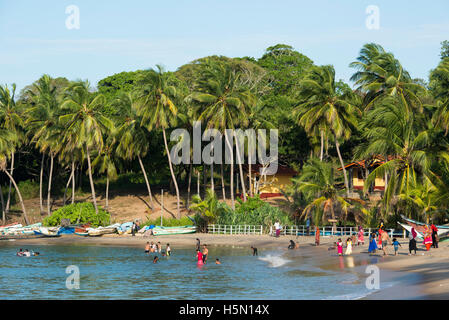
<point>160,231</point>
<point>443,230</point>
<point>48,232</point>
<point>19,230</point>
<point>96,232</point>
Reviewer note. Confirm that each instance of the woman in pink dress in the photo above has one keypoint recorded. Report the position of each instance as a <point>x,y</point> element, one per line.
<point>340,247</point>
<point>360,236</point>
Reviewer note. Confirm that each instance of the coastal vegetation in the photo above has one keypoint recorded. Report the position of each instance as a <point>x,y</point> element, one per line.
<point>55,131</point>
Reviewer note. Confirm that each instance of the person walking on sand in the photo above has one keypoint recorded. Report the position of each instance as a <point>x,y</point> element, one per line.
<point>308,226</point>
<point>277,227</point>
<point>317,236</point>
<point>385,240</point>
<point>348,251</point>
<point>372,244</point>
<point>361,236</point>
<point>340,247</point>
<point>412,242</point>
<point>396,245</point>
<point>434,236</point>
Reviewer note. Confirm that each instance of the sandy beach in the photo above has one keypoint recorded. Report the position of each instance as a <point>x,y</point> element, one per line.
<point>430,267</point>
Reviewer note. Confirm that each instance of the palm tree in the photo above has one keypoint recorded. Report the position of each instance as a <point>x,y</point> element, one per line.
<point>8,140</point>
<point>411,141</point>
<point>318,185</point>
<point>85,118</point>
<point>158,110</point>
<point>105,161</point>
<point>380,74</point>
<point>225,106</point>
<point>440,83</point>
<point>42,122</point>
<point>10,120</point>
<point>132,137</point>
<point>323,107</point>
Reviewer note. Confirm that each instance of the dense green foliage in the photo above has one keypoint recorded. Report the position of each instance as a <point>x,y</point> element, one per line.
<point>78,213</point>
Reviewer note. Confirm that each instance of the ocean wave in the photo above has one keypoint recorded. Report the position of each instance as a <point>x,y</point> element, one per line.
<point>274,261</point>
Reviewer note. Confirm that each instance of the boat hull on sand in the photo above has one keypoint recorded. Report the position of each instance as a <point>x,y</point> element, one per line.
<point>164,231</point>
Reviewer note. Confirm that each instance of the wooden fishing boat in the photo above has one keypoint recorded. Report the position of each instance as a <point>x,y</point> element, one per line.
<point>20,236</point>
<point>48,232</point>
<point>162,231</point>
<point>443,230</point>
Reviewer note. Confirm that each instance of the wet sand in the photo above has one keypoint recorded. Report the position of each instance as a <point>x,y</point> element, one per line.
<point>424,276</point>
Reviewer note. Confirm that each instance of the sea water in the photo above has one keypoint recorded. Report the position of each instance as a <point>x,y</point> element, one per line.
<point>128,273</point>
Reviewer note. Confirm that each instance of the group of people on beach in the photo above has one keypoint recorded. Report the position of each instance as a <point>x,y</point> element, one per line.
<point>26,253</point>
<point>379,240</point>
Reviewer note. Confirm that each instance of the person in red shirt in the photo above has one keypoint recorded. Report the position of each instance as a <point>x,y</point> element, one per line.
<point>199,256</point>
<point>434,235</point>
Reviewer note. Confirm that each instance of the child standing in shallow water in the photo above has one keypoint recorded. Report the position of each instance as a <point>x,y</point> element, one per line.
<point>340,247</point>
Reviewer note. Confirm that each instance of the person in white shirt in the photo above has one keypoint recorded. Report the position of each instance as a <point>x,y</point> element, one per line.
<point>277,227</point>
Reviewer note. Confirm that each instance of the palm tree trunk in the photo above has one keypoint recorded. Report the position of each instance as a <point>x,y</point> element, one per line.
<point>249,174</point>
<point>8,200</point>
<point>212,186</point>
<point>19,194</point>
<point>188,186</point>
<point>49,185</point>
<point>322,145</point>
<point>64,199</point>
<point>41,200</point>
<point>242,177</point>
<point>146,181</point>
<point>232,171</point>
<point>172,173</point>
<point>223,190</point>
<point>3,206</point>
<point>91,180</point>
<point>73,182</point>
<point>107,192</point>
<point>337,145</point>
<point>198,183</point>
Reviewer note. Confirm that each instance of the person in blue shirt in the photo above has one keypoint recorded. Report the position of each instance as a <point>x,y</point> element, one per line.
<point>308,226</point>
<point>396,245</point>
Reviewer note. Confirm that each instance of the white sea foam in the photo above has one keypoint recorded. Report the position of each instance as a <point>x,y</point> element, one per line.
<point>275,261</point>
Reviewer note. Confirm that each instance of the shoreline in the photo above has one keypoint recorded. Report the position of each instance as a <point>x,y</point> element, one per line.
<point>429,268</point>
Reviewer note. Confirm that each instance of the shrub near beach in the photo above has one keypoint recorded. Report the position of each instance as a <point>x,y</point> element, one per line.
<point>79,213</point>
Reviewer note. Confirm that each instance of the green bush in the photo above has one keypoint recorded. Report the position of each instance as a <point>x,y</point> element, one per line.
<point>184,221</point>
<point>79,213</point>
<point>254,212</point>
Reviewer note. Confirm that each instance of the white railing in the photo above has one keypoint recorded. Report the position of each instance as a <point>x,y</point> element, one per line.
<point>329,231</point>
<point>234,229</point>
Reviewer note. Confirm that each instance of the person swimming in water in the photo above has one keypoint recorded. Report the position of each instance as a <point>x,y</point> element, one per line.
<point>20,252</point>
<point>205,253</point>
<point>217,261</point>
<point>168,249</point>
<point>147,248</point>
<point>155,259</point>
<point>292,245</point>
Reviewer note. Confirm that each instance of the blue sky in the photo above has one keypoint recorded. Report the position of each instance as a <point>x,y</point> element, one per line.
<point>117,36</point>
